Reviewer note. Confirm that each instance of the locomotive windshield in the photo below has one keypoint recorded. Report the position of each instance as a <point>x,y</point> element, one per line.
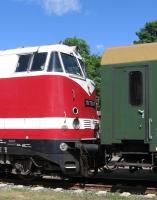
<point>54,65</point>
<point>39,61</point>
<point>32,62</point>
<point>71,65</point>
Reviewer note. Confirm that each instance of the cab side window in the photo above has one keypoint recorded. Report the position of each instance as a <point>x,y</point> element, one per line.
<point>23,63</point>
<point>39,61</point>
<point>54,65</point>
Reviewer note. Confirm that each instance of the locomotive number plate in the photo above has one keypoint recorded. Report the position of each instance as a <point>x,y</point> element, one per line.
<point>90,103</point>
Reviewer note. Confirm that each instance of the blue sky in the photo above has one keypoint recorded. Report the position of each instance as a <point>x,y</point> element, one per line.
<point>102,23</point>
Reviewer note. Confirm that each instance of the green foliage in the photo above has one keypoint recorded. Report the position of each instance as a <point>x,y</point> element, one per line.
<point>81,44</point>
<point>148,33</point>
<point>92,62</point>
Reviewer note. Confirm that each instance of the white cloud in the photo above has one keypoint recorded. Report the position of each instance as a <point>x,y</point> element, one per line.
<point>100,49</point>
<point>60,7</point>
<point>99,46</point>
<point>57,7</point>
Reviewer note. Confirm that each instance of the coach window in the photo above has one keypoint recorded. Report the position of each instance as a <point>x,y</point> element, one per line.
<point>135,88</point>
<point>23,63</point>
<point>39,61</point>
<point>71,65</point>
<point>54,64</point>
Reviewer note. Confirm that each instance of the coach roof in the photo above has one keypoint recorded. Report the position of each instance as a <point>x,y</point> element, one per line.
<point>129,54</point>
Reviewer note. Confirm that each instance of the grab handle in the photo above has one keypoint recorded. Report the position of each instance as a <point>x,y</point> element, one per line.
<point>150,121</point>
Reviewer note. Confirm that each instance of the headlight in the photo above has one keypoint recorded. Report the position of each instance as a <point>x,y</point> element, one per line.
<point>63,146</point>
<point>75,111</point>
<point>76,123</point>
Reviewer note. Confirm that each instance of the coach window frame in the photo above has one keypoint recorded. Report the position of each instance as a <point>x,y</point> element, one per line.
<point>133,92</point>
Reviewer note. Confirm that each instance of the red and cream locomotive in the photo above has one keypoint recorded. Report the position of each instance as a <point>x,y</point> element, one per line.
<point>47,111</point>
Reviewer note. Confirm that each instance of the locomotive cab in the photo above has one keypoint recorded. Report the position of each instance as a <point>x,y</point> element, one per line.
<point>47,110</point>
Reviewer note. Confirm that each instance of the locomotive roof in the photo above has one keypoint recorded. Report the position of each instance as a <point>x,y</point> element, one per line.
<point>46,48</point>
<point>129,54</point>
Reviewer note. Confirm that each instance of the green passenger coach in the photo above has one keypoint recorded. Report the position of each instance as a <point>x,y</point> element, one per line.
<point>129,101</point>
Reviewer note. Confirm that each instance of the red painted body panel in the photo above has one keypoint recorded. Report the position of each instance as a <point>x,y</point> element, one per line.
<point>42,96</point>
<point>49,134</point>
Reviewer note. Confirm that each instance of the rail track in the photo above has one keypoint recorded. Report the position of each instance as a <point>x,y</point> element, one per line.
<point>139,186</point>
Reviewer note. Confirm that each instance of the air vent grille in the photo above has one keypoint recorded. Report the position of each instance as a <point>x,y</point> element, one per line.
<point>87,124</point>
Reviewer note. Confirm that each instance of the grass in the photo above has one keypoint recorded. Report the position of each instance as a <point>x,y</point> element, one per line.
<point>21,194</point>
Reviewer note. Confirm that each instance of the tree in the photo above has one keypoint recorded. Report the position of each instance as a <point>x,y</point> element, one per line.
<point>84,48</point>
<point>148,33</point>
<point>92,62</point>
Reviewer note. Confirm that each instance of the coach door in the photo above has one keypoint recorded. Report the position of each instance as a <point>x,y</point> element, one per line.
<point>130,109</point>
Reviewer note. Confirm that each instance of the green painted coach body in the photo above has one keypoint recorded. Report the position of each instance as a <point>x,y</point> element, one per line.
<point>129,95</point>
